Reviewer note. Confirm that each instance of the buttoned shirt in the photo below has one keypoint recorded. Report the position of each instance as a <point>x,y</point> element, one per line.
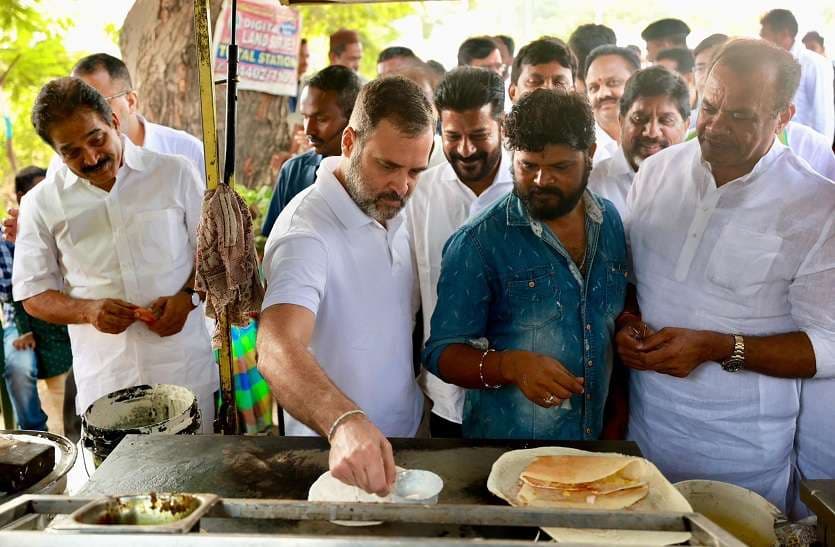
<point>440,205</point>
<point>135,243</point>
<point>164,140</point>
<point>358,278</point>
<point>606,145</point>
<point>612,179</point>
<point>756,257</point>
<point>508,279</point>
<point>815,97</point>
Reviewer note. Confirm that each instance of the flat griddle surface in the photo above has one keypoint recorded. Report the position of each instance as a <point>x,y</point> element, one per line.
<point>286,467</point>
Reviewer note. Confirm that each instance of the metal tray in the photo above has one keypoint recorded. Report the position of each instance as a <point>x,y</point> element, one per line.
<point>151,513</point>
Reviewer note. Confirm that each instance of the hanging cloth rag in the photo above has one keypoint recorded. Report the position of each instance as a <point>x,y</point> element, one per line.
<point>227,265</point>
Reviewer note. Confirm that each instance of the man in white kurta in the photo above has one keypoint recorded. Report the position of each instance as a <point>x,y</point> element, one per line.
<point>728,256</point>
<point>133,244</point>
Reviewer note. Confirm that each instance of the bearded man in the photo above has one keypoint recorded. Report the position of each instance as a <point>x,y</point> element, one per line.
<point>529,290</point>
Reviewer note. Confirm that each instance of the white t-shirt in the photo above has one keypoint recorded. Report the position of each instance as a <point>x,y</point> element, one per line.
<point>612,179</point>
<point>755,256</point>
<point>135,243</point>
<point>440,205</point>
<point>358,278</point>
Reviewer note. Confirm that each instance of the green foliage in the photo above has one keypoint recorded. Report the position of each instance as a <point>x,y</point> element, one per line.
<point>31,53</point>
<point>373,22</point>
<point>258,200</point>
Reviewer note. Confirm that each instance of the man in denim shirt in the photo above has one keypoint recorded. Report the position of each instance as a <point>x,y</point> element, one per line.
<point>530,289</point>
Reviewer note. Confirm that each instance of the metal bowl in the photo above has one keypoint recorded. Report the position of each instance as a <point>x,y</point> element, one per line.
<point>417,486</point>
<point>65,454</point>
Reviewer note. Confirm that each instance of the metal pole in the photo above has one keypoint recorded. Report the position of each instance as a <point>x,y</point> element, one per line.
<point>226,420</point>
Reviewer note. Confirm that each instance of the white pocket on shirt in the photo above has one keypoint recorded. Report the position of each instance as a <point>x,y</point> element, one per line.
<point>742,260</point>
<point>162,235</point>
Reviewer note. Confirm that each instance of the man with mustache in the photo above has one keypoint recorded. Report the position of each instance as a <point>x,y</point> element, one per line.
<point>605,74</point>
<point>335,339</point>
<point>654,114</point>
<point>476,173</point>
<point>733,245</point>
<point>327,103</point>
<point>529,289</point>
<point>114,229</point>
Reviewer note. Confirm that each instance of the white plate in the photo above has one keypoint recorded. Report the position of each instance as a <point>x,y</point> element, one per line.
<point>327,488</point>
<point>504,483</point>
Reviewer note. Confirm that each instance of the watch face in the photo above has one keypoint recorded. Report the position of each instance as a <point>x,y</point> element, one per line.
<point>733,365</point>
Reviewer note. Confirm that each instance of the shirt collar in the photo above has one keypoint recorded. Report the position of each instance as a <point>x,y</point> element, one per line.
<point>765,162</point>
<point>517,213</point>
<point>340,202</point>
<point>620,165</point>
<point>131,157</point>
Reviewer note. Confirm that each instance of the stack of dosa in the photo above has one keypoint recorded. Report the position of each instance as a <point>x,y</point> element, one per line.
<point>608,482</point>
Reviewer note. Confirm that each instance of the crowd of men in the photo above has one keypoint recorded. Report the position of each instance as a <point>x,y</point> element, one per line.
<point>582,244</point>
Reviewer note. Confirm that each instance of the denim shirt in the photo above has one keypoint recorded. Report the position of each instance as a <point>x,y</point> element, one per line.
<point>507,278</point>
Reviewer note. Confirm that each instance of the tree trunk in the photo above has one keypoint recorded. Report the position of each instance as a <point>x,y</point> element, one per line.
<point>157,43</point>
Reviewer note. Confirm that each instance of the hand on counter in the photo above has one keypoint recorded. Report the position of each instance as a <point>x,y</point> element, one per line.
<point>109,315</point>
<point>172,312</point>
<point>361,456</point>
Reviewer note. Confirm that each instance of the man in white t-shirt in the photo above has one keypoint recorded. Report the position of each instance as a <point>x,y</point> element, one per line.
<point>335,339</point>
<point>475,174</point>
<point>654,114</point>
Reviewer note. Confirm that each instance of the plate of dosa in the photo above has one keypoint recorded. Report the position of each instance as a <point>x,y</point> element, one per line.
<point>566,478</point>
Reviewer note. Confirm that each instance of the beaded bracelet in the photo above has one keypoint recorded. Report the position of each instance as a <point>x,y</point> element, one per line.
<point>337,422</point>
<point>484,383</point>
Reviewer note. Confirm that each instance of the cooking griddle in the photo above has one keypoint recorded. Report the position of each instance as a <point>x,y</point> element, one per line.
<point>286,467</point>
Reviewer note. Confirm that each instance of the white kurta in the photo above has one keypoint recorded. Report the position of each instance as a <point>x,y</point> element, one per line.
<point>812,147</point>
<point>612,179</point>
<point>135,243</point>
<point>440,205</point>
<point>358,278</point>
<point>755,256</point>
<point>606,145</point>
<point>815,96</point>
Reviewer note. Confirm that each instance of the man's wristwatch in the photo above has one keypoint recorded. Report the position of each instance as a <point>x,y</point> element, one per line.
<point>195,298</point>
<point>736,361</point>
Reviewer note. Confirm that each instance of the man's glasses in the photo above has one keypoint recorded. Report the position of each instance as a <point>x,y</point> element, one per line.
<point>121,93</point>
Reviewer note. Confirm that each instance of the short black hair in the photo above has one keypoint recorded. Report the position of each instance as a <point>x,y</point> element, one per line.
<point>656,81</point>
<point>394,52</point>
<point>709,43</point>
<point>396,99</point>
<point>587,37</point>
<point>674,30</point>
<point>341,80</point>
<point>780,20</point>
<point>681,56</point>
<point>626,54</point>
<point>508,42</point>
<point>544,50</point>
<point>25,179</point>
<point>60,99</point>
<point>813,36</point>
<point>436,67</point>
<point>744,55</point>
<point>115,67</point>
<point>475,48</point>
<point>547,117</point>
<point>469,88</point>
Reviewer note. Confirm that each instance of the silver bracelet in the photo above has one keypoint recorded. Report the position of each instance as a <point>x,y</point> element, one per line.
<point>484,383</point>
<point>337,422</point>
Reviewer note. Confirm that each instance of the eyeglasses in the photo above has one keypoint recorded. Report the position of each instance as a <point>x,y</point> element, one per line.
<point>121,93</point>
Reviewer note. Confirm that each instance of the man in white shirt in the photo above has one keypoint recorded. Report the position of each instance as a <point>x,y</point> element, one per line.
<point>803,140</point>
<point>113,231</point>
<point>335,339</point>
<point>606,71</point>
<point>654,112</point>
<point>815,96</point>
<point>733,245</point>
<point>476,173</point>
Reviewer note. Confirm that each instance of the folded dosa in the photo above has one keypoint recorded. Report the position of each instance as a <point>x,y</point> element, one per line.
<point>606,482</point>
